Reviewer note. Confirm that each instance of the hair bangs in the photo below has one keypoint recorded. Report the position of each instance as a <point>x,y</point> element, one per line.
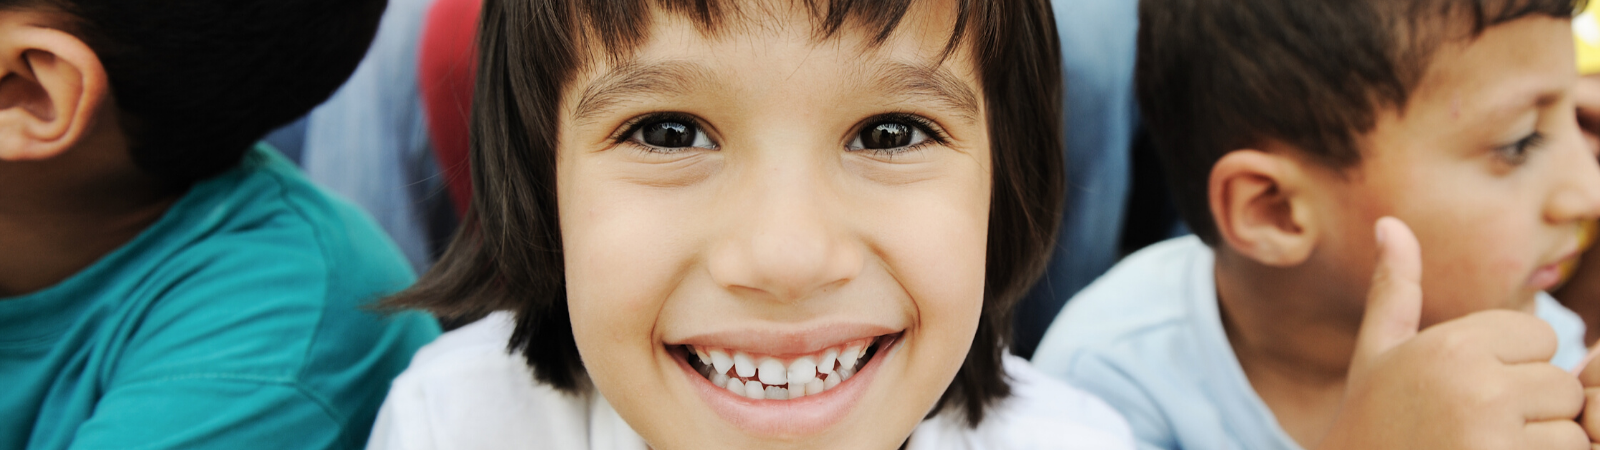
<point>1420,27</point>
<point>621,26</point>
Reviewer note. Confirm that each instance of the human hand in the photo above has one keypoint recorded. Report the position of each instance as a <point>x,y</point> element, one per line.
<point>1482,381</point>
<point>1589,375</point>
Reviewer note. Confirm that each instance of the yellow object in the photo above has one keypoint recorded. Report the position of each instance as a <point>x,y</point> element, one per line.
<point>1586,34</point>
<point>1586,237</point>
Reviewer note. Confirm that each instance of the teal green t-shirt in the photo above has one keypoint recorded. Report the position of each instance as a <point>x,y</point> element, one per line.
<point>236,321</point>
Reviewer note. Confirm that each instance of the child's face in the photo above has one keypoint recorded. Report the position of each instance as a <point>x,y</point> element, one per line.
<point>1487,166</point>
<point>775,202</point>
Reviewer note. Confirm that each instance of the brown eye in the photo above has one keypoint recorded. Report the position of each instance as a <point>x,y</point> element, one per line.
<point>888,135</point>
<point>671,133</point>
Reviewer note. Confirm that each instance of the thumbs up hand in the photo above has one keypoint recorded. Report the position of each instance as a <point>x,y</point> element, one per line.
<point>1482,381</point>
<point>1589,375</point>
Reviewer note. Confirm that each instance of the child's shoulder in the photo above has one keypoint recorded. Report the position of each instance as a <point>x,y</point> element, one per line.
<point>257,236</point>
<point>1151,293</point>
<point>269,220</point>
<point>1041,413</point>
<point>482,343</point>
<point>467,390</point>
<point>1147,338</point>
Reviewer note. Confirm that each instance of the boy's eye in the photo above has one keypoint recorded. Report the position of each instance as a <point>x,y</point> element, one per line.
<point>888,135</point>
<point>671,133</point>
<point>1516,153</point>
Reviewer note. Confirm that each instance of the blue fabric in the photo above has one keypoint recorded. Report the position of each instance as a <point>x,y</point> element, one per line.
<point>1097,50</point>
<point>1148,339</point>
<point>369,142</point>
<point>233,322</point>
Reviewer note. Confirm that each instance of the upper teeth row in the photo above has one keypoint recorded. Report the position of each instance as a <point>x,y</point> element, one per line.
<point>772,371</point>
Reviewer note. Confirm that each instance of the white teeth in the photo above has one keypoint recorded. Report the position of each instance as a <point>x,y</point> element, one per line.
<point>720,361</point>
<point>828,359</point>
<point>701,353</point>
<point>753,390</point>
<point>796,390</point>
<point>816,386</point>
<point>768,378</point>
<point>847,358</point>
<point>773,372</point>
<point>802,371</point>
<point>743,366</point>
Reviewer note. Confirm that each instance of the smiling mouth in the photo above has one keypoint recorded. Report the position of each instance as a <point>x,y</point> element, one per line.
<point>762,377</point>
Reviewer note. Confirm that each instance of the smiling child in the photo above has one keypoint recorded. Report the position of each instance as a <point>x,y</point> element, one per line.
<point>774,224</point>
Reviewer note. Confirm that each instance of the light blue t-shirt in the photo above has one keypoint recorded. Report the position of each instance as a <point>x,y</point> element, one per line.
<point>1148,339</point>
<point>236,321</point>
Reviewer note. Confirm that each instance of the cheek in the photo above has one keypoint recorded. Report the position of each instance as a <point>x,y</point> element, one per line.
<point>621,264</point>
<point>1477,263</point>
<point>934,243</point>
<point>946,278</point>
<point>1478,248</point>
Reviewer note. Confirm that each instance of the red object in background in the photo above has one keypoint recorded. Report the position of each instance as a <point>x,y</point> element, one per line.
<point>448,60</point>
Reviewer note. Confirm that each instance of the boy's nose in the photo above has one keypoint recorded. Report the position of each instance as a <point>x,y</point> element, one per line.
<point>787,237</point>
<point>1577,197</point>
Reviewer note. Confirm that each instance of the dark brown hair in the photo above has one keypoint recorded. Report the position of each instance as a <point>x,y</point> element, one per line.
<point>507,254</point>
<point>1214,76</point>
<point>200,81</point>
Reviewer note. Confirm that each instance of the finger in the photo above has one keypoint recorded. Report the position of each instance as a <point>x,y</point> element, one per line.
<point>1554,435</point>
<point>1394,302</point>
<point>1590,419</point>
<point>1513,337</point>
<point>1586,372</point>
<point>1544,392</point>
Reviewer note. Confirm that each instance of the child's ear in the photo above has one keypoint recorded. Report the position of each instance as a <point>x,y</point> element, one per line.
<point>51,87</point>
<point>1258,199</point>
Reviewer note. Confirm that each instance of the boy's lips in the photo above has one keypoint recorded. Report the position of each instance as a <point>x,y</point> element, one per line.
<point>789,417</point>
<point>1549,275</point>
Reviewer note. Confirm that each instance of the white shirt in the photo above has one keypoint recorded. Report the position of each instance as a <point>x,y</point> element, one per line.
<point>466,391</point>
<point>1147,337</point>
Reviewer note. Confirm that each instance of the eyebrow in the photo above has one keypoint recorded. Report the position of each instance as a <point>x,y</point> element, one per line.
<point>901,82</point>
<point>910,83</point>
<point>1517,101</point>
<point>635,79</point>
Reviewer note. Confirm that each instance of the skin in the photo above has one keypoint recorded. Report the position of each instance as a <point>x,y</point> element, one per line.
<point>781,230</point>
<point>1491,222</point>
<point>73,192</point>
<point>1581,293</point>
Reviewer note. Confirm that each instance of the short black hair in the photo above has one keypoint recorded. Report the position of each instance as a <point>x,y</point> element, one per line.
<point>200,81</point>
<point>1214,76</point>
<point>508,253</point>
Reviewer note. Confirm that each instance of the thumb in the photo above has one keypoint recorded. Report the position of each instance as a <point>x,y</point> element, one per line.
<point>1394,302</point>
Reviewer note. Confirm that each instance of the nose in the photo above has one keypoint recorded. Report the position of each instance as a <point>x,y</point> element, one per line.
<point>786,236</point>
<point>1577,196</point>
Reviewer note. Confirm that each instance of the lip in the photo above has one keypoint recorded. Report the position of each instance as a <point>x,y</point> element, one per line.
<point>788,418</point>
<point>1549,275</point>
<point>777,343</point>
